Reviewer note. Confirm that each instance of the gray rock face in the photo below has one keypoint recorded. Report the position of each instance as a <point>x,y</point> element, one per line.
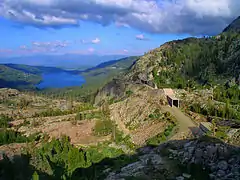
<point>133,169</point>
<point>222,160</point>
<point>179,178</point>
<point>221,173</point>
<point>115,88</point>
<point>223,165</point>
<point>151,158</point>
<point>187,176</point>
<point>217,161</point>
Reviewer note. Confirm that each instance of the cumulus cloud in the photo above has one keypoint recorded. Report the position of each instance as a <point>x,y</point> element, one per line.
<point>51,44</point>
<point>153,16</point>
<point>96,41</point>
<point>141,37</point>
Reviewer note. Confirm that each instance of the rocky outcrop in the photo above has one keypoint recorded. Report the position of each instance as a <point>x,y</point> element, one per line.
<point>114,89</point>
<point>218,161</point>
<point>119,89</point>
<point>5,93</point>
<point>203,158</point>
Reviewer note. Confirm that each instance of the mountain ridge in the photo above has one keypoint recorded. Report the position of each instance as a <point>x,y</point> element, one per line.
<point>187,63</point>
<point>234,26</point>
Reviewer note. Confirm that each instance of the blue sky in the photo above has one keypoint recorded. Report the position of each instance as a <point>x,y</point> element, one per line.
<point>129,27</point>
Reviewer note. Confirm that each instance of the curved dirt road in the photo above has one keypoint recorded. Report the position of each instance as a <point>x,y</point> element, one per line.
<point>186,125</point>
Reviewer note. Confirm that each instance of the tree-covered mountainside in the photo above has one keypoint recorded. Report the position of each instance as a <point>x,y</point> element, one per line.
<point>98,76</point>
<point>123,63</point>
<point>207,60</point>
<point>234,26</point>
<point>16,78</point>
<point>190,64</point>
<point>22,76</point>
<point>107,70</point>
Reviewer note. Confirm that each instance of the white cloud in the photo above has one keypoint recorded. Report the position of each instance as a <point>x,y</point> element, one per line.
<point>96,41</point>
<point>141,37</point>
<point>52,44</point>
<point>153,16</point>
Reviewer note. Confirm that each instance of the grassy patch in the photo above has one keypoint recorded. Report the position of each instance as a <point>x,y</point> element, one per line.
<point>103,128</point>
<point>162,137</point>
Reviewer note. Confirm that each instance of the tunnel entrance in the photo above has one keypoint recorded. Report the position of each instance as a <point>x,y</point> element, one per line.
<point>173,101</point>
<point>176,103</point>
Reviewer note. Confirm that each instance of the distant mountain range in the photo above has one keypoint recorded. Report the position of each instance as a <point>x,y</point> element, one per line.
<point>122,63</point>
<point>68,61</point>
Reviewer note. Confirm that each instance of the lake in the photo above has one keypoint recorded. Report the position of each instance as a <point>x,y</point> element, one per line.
<point>60,80</point>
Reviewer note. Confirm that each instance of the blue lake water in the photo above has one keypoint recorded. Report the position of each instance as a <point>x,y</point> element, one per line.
<point>60,80</point>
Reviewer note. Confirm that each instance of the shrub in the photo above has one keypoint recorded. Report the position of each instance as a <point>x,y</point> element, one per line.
<point>64,161</point>
<point>103,128</point>
<point>79,116</point>
<point>4,121</point>
<point>9,136</point>
<point>129,93</point>
<point>162,137</point>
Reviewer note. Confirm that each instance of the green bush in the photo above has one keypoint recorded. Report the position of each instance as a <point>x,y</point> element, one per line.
<point>103,127</point>
<point>222,111</point>
<point>162,137</point>
<point>120,139</point>
<point>156,114</point>
<point>60,159</point>
<point>9,136</point>
<point>129,93</point>
<point>4,121</point>
<point>80,116</point>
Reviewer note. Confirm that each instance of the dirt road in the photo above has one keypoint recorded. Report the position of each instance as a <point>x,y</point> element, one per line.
<point>186,125</point>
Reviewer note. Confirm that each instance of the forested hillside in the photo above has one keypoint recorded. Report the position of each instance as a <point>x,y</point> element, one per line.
<point>234,26</point>
<point>205,60</point>
<point>96,77</point>
<point>104,72</point>
<point>209,63</point>
<point>22,77</point>
<point>16,78</point>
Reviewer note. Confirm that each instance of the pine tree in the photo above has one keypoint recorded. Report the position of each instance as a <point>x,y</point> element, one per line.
<point>35,176</point>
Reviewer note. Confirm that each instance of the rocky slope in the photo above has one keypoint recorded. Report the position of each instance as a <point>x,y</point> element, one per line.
<point>17,104</point>
<point>204,158</point>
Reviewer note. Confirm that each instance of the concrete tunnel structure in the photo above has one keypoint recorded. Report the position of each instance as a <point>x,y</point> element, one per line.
<point>172,100</point>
